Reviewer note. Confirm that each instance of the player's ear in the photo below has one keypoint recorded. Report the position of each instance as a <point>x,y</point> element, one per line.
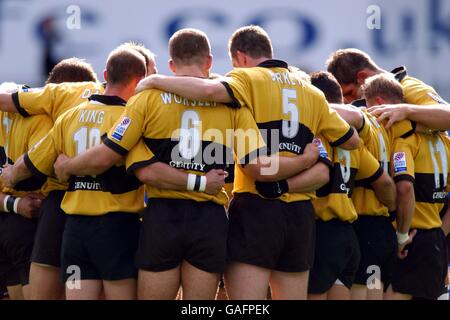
<point>379,101</point>
<point>208,63</point>
<point>172,66</point>
<point>105,75</point>
<point>361,76</point>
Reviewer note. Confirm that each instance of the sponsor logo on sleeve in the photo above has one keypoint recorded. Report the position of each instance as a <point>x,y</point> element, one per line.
<point>121,129</point>
<point>399,162</point>
<point>322,151</point>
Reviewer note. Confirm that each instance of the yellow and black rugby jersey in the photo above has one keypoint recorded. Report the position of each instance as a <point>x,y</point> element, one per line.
<point>54,99</point>
<point>288,110</point>
<point>77,130</point>
<point>416,91</point>
<point>192,136</point>
<point>17,136</point>
<point>423,160</point>
<point>379,142</point>
<point>334,199</point>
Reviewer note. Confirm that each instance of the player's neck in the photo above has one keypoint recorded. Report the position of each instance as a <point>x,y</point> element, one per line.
<point>191,71</point>
<point>118,91</point>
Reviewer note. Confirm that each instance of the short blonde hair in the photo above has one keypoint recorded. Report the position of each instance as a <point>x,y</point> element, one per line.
<point>384,86</point>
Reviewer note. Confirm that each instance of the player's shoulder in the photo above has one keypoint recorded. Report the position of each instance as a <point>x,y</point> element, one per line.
<point>75,86</point>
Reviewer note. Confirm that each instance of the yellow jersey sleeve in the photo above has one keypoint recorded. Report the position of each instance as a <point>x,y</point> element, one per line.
<point>139,156</point>
<point>369,168</point>
<point>331,126</point>
<point>248,142</point>
<point>417,92</point>
<point>40,158</point>
<point>403,155</point>
<point>237,83</point>
<point>42,124</point>
<point>128,129</point>
<point>35,101</point>
<point>402,129</point>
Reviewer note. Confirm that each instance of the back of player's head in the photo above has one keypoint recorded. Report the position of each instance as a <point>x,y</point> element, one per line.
<point>383,86</point>
<point>124,65</point>
<point>345,64</point>
<point>139,47</point>
<point>72,70</point>
<point>189,47</point>
<point>328,84</point>
<point>252,41</point>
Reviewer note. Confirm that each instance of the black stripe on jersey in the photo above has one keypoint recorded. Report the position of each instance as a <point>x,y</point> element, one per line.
<point>426,191</point>
<point>344,138</point>
<point>368,181</point>
<point>31,184</point>
<point>32,168</point>
<point>400,73</point>
<point>163,148</point>
<point>114,181</point>
<point>108,100</point>
<point>410,132</point>
<point>363,124</point>
<point>326,161</point>
<point>404,177</point>
<point>296,144</point>
<point>235,102</point>
<point>22,111</point>
<point>114,146</point>
<point>336,184</point>
<point>230,170</point>
<point>273,63</point>
<point>3,158</point>
<point>141,164</point>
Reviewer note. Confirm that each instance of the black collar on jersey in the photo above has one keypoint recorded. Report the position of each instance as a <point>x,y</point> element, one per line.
<point>273,63</point>
<point>400,73</point>
<point>108,100</point>
<point>360,103</point>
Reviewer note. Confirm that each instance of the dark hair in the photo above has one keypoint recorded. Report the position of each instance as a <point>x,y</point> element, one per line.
<point>251,40</point>
<point>123,65</point>
<point>345,64</point>
<point>139,47</point>
<point>72,70</point>
<point>326,82</point>
<point>189,47</point>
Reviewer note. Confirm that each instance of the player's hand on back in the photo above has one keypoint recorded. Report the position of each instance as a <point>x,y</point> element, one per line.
<point>215,180</point>
<point>389,114</point>
<point>60,168</point>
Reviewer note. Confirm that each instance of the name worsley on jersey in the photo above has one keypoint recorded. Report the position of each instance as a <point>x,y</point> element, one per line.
<point>193,136</point>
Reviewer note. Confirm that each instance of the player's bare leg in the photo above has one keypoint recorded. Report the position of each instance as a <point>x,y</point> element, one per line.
<point>198,284</point>
<point>289,285</point>
<point>88,290</point>
<point>162,285</point>
<point>338,292</point>
<point>376,293</point>
<point>45,283</point>
<point>358,292</point>
<point>125,289</point>
<point>392,295</point>
<point>15,292</point>
<point>321,296</point>
<point>246,282</point>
